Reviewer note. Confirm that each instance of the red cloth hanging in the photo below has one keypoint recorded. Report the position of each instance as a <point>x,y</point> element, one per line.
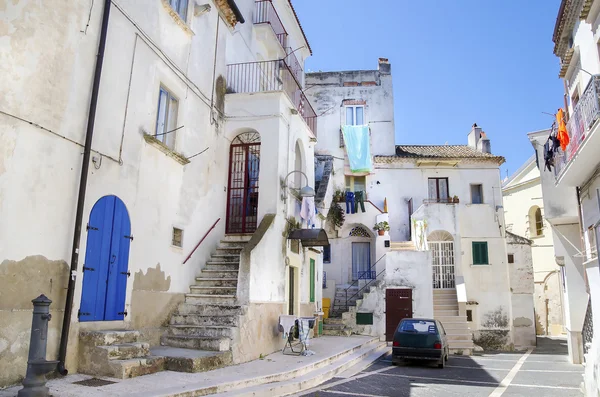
<point>563,135</point>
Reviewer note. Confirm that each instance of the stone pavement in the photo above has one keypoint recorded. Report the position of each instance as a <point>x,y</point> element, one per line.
<point>329,351</point>
<point>543,372</point>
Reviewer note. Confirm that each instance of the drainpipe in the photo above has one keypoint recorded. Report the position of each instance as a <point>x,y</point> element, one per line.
<point>64,337</point>
<point>581,239</point>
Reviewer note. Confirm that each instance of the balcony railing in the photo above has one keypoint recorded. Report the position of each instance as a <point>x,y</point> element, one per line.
<point>267,76</point>
<point>265,13</point>
<point>584,116</point>
<point>366,275</point>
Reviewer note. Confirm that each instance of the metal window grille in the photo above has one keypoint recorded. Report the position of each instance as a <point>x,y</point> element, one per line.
<point>443,264</point>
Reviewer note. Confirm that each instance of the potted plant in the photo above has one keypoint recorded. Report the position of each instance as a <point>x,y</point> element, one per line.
<point>381,227</point>
<point>455,199</point>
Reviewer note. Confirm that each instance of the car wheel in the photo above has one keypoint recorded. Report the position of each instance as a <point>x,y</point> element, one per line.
<point>442,363</point>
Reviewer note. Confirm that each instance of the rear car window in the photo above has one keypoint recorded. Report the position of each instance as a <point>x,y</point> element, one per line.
<point>418,326</point>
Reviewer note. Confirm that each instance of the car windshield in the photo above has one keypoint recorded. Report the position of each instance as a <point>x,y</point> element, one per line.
<point>418,326</point>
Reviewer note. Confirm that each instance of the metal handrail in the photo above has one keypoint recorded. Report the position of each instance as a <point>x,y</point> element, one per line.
<point>198,245</point>
<point>356,281</point>
<point>365,286</point>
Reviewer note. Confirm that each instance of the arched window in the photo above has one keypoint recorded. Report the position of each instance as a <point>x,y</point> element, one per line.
<point>441,244</point>
<point>536,222</point>
<point>359,231</point>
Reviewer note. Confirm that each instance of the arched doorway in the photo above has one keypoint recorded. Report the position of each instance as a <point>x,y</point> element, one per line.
<point>441,244</point>
<point>361,253</point>
<point>105,270</point>
<point>242,195</point>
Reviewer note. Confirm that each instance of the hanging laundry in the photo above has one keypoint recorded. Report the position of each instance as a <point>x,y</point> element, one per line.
<point>555,143</point>
<point>307,212</point>
<point>359,197</point>
<point>358,147</point>
<point>350,203</point>
<point>548,156</point>
<point>563,135</point>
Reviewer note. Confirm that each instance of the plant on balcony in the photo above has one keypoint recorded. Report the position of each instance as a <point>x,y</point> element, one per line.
<point>336,214</point>
<point>381,227</point>
<point>339,196</point>
<point>455,199</point>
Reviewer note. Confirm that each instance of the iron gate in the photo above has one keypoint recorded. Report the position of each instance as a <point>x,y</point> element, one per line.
<point>242,197</point>
<point>398,305</point>
<point>443,264</point>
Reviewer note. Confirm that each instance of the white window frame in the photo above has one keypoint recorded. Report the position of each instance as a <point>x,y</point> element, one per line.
<point>354,108</point>
<point>180,7</point>
<point>161,132</point>
<point>481,191</point>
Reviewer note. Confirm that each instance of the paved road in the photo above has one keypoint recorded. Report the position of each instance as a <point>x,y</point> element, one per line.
<point>543,372</point>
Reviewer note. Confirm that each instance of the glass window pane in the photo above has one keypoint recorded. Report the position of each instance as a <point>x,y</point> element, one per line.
<point>360,184</point>
<point>432,189</point>
<point>360,115</point>
<point>183,6</point>
<point>443,193</point>
<point>349,115</point>
<point>171,121</point>
<point>161,116</point>
<point>476,195</point>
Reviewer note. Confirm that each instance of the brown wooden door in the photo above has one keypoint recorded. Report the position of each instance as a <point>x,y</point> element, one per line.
<point>398,305</point>
<point>242,197</point>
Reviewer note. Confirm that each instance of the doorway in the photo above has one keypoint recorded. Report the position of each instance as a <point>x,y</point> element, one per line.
<point>105,270</point>
<point>242,196</point>
<point>398,305</point>
<point>361,261</point>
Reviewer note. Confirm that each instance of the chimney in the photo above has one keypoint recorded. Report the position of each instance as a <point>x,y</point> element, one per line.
<point>384,66</point>
<point>484,145</point>
<point>474,135</point>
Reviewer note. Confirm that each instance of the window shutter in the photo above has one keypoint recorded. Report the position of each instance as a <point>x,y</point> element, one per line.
<point>312,280</point>
<point>476,255</point>
<point>484,253</point>
<point>480,253</point>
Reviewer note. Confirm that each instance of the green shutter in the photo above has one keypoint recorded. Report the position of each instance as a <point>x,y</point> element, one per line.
<point>312,280</point>
<point>480,253</point>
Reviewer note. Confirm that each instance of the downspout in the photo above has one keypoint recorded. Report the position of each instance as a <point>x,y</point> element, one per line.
<point>64,337</point>
<point>582,241</point>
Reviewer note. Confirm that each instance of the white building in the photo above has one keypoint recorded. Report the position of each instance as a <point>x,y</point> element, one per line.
<point>441,257</point>
<point>524,216</point>
<point>571,190</point>
<point>184,223</point>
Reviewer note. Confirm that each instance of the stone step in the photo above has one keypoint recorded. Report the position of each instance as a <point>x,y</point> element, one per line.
<point>460,344</point>
<point>458,337</point>
<point>232,244</point>
<point>191,360</point>
<point>210,309</point>
<point>109,337</point>
<point>456,327</point>
<point>216,282</point>
<point>442,292</point>
<point>213,273</point>
<point>124,369</point>
<point>126,351</point>
<point>200,289</point>
<point>437,307</point>
<point>450,319</point>
<point>225,258</point>
<point>222,266</point>
<point>209,298</point>
<point>331,320</point>
<point>228,250</point>
<point>445,301</point>
<point>208,331</point>
<point>333,326</point>
<point>445,313</point>
<point>196,342</point>
<point>195,319</point>
<point>244,237</point>
<point>337,332</point>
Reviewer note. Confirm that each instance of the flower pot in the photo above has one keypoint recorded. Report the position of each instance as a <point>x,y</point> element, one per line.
<point>381,232</point>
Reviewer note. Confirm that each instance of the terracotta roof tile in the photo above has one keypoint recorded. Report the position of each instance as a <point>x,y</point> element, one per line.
<point>442,152</point>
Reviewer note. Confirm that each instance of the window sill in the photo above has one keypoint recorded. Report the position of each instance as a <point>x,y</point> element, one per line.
<point>152,141</point>
<point>480,264</point>
<point>178,20</point>
<point>536,237</point>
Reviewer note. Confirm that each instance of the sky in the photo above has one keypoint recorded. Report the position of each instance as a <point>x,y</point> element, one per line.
<point>454,63</point>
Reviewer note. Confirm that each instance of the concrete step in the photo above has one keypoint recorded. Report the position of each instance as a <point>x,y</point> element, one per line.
<point>216,282</point>
<point>109,337</point>
<point>226,266</point>
<point>331,326</point>
<point>445,301</point>
<point>225,258</point>
<point>196,342</point>
<point>300,380</point>
<point>450,319</point>
<point>126,351</point>
<point>199,289</point>
<point>456,327</point>
<point>460,344</point>
<point>209,331</point>
<point>437,307</point>
<point>195,319</point>
<point>237,237</point>
<point>445,313</point>
<point>210,309</point>
<point>337,332</point>
<point>444,292</point>
<point>124,369</point>
<point>210,299</point>
<point>458,337</point>
<point>214,273</point>
<point>191,360</point>
<point>232,243</point>
<point>332,320</point>
<point>228,250</point>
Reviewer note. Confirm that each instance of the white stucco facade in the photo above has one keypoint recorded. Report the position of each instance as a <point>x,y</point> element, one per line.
<point>44,111</point>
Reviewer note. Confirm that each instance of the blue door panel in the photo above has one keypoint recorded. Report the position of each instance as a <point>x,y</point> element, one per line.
<point>104,287</point>
<point>118,264</point>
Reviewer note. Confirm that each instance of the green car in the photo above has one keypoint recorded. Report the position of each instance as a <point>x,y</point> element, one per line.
<point>420,339</point>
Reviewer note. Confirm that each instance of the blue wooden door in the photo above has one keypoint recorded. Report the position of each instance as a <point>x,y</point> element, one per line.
<point>105,270</point>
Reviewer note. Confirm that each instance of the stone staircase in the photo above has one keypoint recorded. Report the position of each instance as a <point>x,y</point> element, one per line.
<point>210,315</point>
<point>334,326</point>
<point>339,305</point>
<point>446,310</point>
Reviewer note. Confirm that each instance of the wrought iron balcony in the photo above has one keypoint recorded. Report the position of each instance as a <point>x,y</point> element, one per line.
<point>264,12</point>
<point>266,76</point>
<point>366,275</point>
<point>580,124</point>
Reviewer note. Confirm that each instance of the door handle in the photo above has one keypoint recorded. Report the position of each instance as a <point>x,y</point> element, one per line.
<point>113,259</point>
